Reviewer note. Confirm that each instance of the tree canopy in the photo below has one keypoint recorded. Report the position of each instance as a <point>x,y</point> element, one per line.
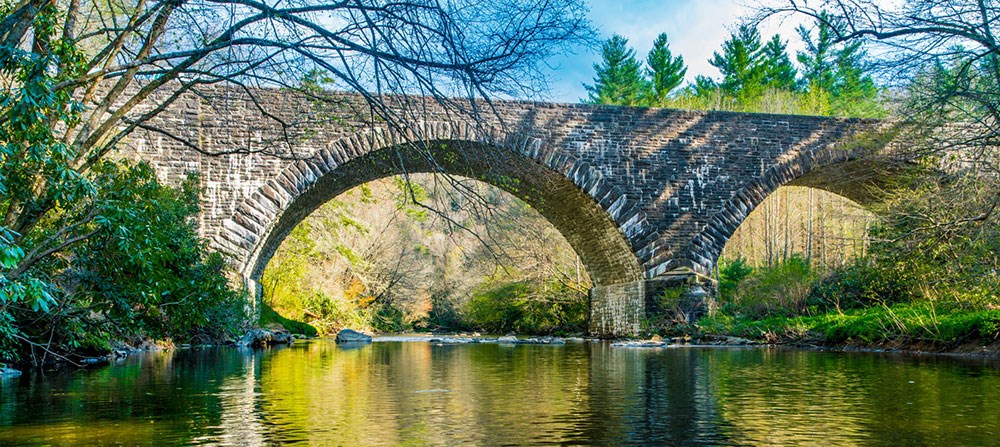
<point>619,76</point>
<point>666,72</point>
<point>757,75</point>
<point>621,79</point>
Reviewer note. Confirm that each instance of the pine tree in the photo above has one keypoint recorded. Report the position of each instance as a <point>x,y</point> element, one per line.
<point>740,65</point>
<point>818,59</point>
<point>666,72</point>
<point>837,73</point>
<point>619,78</point>
<point>777,70</point>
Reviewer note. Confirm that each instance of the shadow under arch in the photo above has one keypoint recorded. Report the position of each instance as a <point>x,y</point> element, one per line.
<point>262,221</point>
<point>857,179</point>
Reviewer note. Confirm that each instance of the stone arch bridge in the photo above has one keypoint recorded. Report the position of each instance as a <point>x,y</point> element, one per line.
<point>646,197</point>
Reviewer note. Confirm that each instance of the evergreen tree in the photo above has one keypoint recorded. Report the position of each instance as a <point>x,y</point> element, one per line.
<point>818,60</point>
<point>837,73</point>
<point>619,78</point>
<point>776,67</point>
<point>740,64</point>
<point>704,85</point>
<point>666,72</point>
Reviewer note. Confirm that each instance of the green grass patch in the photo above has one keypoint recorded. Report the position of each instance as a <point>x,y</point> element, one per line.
<point>939,324</point>
<point>269,316</point>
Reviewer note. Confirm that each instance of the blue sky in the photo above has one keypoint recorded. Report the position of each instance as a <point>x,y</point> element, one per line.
<point>695,29</point>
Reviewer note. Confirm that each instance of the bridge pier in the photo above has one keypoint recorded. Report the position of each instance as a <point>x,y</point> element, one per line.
<point>617,310</point>
<point>621,310</point>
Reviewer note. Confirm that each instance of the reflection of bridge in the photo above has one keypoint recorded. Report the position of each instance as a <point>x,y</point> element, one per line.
<point>646,197</point>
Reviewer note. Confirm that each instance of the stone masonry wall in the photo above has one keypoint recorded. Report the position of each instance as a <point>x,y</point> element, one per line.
<point>674,184</point>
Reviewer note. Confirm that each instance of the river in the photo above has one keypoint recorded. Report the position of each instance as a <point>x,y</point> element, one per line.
<point>586,393</point>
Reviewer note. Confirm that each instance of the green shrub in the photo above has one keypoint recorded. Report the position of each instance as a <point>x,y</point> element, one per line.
<point>781,290</point>
<point>666,315</point>
<point>939,324</point>
<point>497,309</point>
<point>731,274</point>
<point>445,313</point>
<point>141,272</point>
<point>528,308</point>
<point>387,318</point>
<point>859,284</point>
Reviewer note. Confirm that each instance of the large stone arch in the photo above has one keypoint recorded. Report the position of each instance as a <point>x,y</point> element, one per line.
<point>594,215</point>
<point>848,174</point>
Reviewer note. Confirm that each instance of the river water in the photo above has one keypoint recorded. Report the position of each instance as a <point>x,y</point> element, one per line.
<point>587,393</point>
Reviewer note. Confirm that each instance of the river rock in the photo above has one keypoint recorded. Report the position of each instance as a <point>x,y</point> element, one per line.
<point>352,336</point>
<point>119,354</point>
<point>730,341</point>
<point>639,344</point>
<point>10,373</point>
<point>507,339</point>
<point>453,340</point>
<point>548,341</point>
<point>261,338</point>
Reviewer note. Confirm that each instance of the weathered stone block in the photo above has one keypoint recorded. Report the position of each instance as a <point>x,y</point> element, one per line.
<point>617,310</point>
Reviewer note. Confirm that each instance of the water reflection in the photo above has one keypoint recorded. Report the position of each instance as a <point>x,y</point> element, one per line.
<point>588,393</point>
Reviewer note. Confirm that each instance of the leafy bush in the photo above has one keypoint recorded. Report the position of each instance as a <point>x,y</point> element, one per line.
<point>528,308</point>
<point>329,314</point>
<point>667,314</point>
<point>731,274</point>
<point>497,309</point>
<point>387,318</point>
<point>269,316</point>
<point>859,284</point>
<point>142,272</point>
<point>445,313</point>
<point>938,324</point>
<point>781,290</point>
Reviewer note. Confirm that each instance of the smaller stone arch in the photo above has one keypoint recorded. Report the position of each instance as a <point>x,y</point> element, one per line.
<point>849,174</point>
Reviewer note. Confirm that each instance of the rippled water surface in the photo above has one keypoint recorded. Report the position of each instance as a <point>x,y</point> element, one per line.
<point>416,393</point>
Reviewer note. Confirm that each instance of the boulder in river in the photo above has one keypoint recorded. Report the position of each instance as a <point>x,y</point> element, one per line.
<point>352,336</point>
<point>260,338</point>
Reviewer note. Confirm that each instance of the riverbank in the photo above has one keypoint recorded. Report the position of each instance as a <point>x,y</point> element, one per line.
<point>923,327</point>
